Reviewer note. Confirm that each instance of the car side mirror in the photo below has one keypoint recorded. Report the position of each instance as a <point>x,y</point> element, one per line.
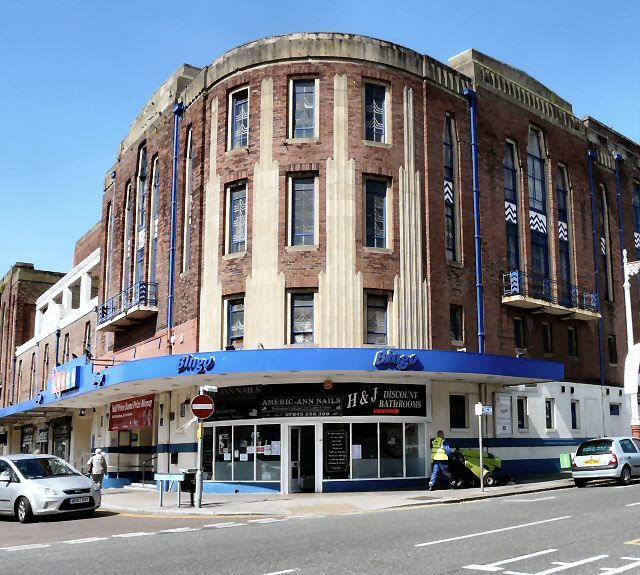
<point>6,476</point>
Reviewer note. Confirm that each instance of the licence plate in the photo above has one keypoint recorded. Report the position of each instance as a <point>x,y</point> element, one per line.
<point>75,500</point>
<point>592,462</point>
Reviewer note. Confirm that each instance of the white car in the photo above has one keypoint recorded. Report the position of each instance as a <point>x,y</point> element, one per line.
<point>606,458</point>
<point>43,485</point>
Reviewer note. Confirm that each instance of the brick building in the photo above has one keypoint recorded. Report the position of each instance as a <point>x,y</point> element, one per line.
<point>300,214</point>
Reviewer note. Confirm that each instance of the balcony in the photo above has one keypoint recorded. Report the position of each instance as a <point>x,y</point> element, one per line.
<point>543,295</point>
<point>133,304</point>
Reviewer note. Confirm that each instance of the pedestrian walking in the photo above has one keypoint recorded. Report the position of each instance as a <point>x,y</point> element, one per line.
<point>97,467</point>
<point>440,452</point>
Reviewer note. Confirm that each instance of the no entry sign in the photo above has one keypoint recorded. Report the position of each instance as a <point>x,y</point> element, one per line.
<point>202,406</point>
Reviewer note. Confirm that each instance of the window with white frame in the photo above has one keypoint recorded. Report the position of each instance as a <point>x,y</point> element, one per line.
<point>235,322</point>
<point>375,113</point>
<point>303,200</point>
<point>237,210</point>
<point>377,320</point>
<point>187,204</point>
<point>458,411</point>
<point>376,212</point>
<point>239,119</point>
<point>303,123</point>
<point>522,408</point>
<point>549,413</point>
<point>302,318</point>
<point>575,414</point>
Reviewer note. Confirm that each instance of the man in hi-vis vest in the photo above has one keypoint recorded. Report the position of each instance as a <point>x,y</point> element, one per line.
<point>440,452</point>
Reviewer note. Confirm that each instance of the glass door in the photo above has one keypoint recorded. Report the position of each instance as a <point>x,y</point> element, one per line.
<point>294,460</point>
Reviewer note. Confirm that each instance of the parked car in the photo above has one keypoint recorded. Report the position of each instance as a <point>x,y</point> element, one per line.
<point>606,458</point>
<point>32,485</point>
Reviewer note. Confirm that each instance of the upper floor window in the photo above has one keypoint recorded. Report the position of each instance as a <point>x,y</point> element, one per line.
<point>303,108</point>
<point>572,341</point>
<point>128,233</point>
<point>605,245</point>
<point>239,120</point>
<point>377,319</point>
<point>32,374</point>
<point>302,318</point>
<point>375,103</point>
<point>235,325</point>
<point>613,349</point>
<point>237,210</point>
<point>549,414</point>
<point>45,366</point>
<point>511,206</point>
<point>449,142</point>
<point>155,205</point>
<point>518,333</point>
<point>547,338</point>
<point>536,171</point>
<point>86,340</point>
<point>108,260</point>
<point>65,349</point>
<point>562,190</point>
<point>188,203</point>
<point>303,211</point>
<point>376,213</point>
<point>636,218</point>
<point>456,323</point>
<point>141,218</point>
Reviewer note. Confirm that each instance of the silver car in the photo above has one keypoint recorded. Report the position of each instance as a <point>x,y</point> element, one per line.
<point>606,458</point>
<point>43,485</point>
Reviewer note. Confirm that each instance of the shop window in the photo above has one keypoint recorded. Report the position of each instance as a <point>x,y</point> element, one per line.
<point>375,112</point>
<point>458,412</point>
<point>391,450</point>
<point>302,318</point>
<point>243,452</point>
<point>456,324</point>
<point>377,306</point>
<point>613,349</point>
<point>614,409</point>
<point>364,450</point>
<point>224,451</point>
<point>523,412</point>
<point>572,336</point>
<point>575,414</point>
<point>303,108</point>
<point>415,450</point>
<point>239,119</point>
<point>237,217</point>
<point>302,211</point>
<point>549,414</point>
<point>235,325</point>
<point>376,213</point>
<point>547,338</point>
<point>336,444</point>
<point>268,453</point>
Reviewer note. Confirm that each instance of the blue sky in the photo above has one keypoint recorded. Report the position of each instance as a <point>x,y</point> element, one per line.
<point>74,75</point>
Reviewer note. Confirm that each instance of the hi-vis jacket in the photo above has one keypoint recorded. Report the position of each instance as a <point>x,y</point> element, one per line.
<point>438,450</point>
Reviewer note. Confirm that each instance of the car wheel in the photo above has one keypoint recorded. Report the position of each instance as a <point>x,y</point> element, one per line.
<point>580,482</point>
<point>625,476</point>
<point>23,510</point>
<point>489,480</point>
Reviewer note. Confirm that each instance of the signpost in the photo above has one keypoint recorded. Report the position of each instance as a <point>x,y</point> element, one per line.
<point>480,411</point>
<point>202,407</point>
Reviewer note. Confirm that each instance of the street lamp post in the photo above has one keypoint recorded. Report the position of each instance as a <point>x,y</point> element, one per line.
<point>631,269</point>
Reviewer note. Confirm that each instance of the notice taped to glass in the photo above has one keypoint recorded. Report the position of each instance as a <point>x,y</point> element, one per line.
<point>336,452</point>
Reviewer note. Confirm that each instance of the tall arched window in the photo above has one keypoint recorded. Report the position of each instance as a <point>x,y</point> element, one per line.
<point>564,236</point>
<point>155,204</point>
<point>539,280</point>
<point>108,260</point>
<point>636,218</point>
<point>511,206</point>
<point>605,245</point>
<point>452,235</point>
<point>128,232</point>
<point>141,220</point>
<point>188,203</point>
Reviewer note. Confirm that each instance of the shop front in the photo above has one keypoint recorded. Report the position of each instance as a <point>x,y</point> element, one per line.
<point>317,437</point>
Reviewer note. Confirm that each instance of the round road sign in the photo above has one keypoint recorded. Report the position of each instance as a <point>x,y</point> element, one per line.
<point>202,406</point>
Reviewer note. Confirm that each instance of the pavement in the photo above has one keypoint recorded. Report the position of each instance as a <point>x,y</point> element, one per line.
<point>138,500</point>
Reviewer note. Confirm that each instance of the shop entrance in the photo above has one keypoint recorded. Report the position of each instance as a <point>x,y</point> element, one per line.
<point>302,459</point>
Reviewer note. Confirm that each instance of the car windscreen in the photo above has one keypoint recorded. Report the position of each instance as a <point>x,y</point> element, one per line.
<point>595,447</point>
<point>43,467</point>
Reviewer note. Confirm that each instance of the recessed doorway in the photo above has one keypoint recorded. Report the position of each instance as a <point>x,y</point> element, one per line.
<point>302,459</point>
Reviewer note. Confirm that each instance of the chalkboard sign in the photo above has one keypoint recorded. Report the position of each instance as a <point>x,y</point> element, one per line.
<point>336,451</point>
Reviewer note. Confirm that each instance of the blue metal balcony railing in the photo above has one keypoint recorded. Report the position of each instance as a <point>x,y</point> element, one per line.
<point>140,293</point>
<point>544,288</point>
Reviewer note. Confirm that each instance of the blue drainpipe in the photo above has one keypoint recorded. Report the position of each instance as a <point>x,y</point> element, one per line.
<point>472,98</point>
<point>618,158</point>
<point>177,113</point>
<point>596,245</point>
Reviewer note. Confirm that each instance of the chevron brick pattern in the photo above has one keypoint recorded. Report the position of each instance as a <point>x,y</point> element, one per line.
<point>510,213</point>
<point>538,222</point>
<point>563,231</point>
<point>636,240</point>
<point>448,192</point>
<point>603,246</point>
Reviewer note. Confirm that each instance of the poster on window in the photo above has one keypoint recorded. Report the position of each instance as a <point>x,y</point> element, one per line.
<point>502,415</point>
<point>133,413</point>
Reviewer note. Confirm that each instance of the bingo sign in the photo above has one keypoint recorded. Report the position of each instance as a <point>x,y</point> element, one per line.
<point>202,406</point>
<point>64,380</point>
